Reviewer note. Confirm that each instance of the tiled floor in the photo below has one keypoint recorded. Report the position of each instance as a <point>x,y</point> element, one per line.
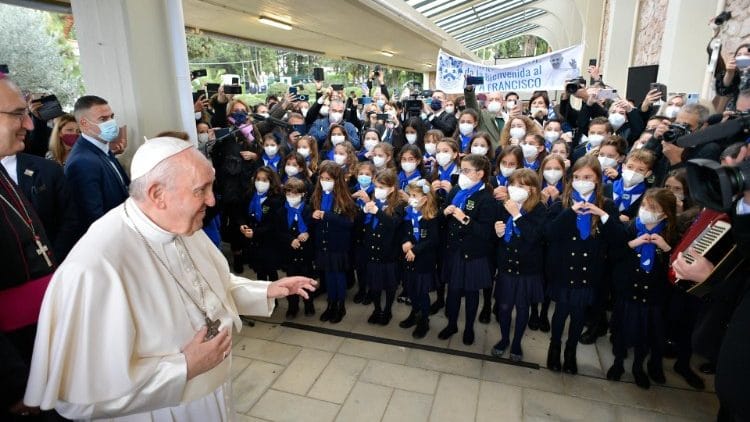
<point>282,373</point>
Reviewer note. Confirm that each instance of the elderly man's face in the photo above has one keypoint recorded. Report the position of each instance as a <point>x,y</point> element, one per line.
<point>14,120</point>
<point>688,119</point>
<point>556,60</point>
<point>191,192</point>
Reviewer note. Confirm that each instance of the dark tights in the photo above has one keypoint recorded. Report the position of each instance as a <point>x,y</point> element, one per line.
<point>577,316</point>
<point>453,304</point>
<point>376,295</point>
<point>522,318</point>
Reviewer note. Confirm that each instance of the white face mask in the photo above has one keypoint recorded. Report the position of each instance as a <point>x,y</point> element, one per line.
<point>535,110</point>
<point>507,171</point>
<point>632,178</point>
<point>607,162</point>
<point>202,138</point>
<point>414,202</point>
<point>648,217</point>
<point>517,194</point>
<point>552,176</point>
<point>408,166</point>
<point>465,128</point>
<point>327,185</point>
<point>671,111</point>
<point>303,111</point>
<point>595,140</point>
<point>494,107</point>
<point>381,193</point>
<point>378,161</point>
<point>444,158</point>
<point>198,115</point>
<point>337,139</point>
<point>509,105</point>
<point>262,186</point>
<point>294,201</point>
<point>430,148</point>
<point>517,132</point>
<point>551,135</point>
<point>324,110</point>
<point>529,152</point>
<point>340,159</point>
<point>271,150</point>
<point>266,115</point>
<point>305,152</point>
<point>335,117</point>
<point>411,138</point>
<point>371,143</point>
<point>584,187</point>
<point>465,182</point>
<point>291,170</point>
<point>679,196</point>
<point>616,120</point>
<point>450,110</point>
<point>478,149</point>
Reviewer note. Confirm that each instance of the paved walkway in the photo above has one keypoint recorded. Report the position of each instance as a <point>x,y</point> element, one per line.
<point>290,374</point>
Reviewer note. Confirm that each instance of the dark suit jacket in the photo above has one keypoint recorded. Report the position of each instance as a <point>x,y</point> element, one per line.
<point>44,184</point>
<point>446,122</point>
<point>94,183</point>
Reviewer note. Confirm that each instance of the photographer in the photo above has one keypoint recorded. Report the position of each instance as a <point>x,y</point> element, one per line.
<point>733,77</point>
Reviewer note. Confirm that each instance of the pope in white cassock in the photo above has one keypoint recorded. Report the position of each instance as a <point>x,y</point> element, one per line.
<point>136,323</point>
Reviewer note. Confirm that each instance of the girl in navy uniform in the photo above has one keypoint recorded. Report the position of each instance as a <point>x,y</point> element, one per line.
<point>578,232</point>
<point>431,140</point>
<point>294,220</point>
<point>307,147</point>
<point>641,287</point>
<point>520,227</point>
<point>532,147</point>
<point>466,128</point>
<point>481,144</point>
<point>470,211</point>
<point>336,135</point>
<point>257,223</point>
<point>370,139</point>
<point>552,176</point>
<point>420,245</point>
<point>562,148</point>
<point>611,154</point>
<point>333,216</point>
<point>509,160</point>
<point>382,157</point>
<point>382,238</point>
<point>362,194</point>
<point>627,191</point>
<point>272,156</point>
<point>294,167</point>
<point>410,158</point>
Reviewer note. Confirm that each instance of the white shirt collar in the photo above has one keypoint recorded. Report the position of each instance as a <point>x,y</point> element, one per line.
<point>11,166</point>
<point>99,144</point>
<point>148,228</point>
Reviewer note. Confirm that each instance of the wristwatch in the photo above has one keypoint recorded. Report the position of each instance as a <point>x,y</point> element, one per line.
<point>465,220</point>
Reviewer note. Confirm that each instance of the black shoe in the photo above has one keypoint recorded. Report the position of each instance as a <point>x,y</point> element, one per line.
<point>570,365</point>
<point>499,349</point>
<point>469,337</point>
<point>615,371</point>
<point>374,317</point>
<point>656,372</point>
<point>339,313</point>
<point>484,316</point>
<point>437,306</point>
<point>544,324</point>
<point>534,321</point>
<point>553,357</point>
<point>707,368</point>
<point>293,310</point>
<point>689,376</point>
<point>447,332</point>
<point>641,379</point>
<point>328,313</point>
<point>423,326</point>
<point>367,300</point>
<point>516,355</point>
<point>309,308</point>
<point>385,318</point>
<point>360,296</point>
<point>410,321</point>
<point>593,332</point>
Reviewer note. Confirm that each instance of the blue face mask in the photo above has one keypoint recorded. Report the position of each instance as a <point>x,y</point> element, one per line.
<point>108,131</point>
<point>364,180</point>
<point>436,104</point>
<point>380,103</point>
<point>239,117</point>
<point>299,128</point>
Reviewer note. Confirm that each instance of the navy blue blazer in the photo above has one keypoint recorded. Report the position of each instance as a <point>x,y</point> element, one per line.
<point>43,183</point>
<point>94,183</point>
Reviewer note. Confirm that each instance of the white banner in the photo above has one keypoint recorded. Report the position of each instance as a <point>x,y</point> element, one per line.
<point>545,72</point>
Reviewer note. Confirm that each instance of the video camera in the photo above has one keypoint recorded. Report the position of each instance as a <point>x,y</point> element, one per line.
<point>574,85</point>
<point>675,131</point>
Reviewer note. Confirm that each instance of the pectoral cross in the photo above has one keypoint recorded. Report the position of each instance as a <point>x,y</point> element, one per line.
<point>42,250</point>
<point>213,328</point>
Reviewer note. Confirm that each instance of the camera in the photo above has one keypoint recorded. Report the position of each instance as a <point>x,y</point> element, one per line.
<point>716,186</point>
<point>376,73</point>
<point>675,131</point>
<point>722,17</point>
<point>574,85</point>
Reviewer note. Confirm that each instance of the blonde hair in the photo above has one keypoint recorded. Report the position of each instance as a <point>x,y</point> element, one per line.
<point>56,147</point>
<point>430,208</point>
<point>531,129</point>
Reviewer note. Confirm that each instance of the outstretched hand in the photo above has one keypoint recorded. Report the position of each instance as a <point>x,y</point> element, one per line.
<point>288,286</point>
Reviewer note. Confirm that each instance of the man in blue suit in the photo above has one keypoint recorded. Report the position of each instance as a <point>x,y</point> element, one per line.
<point>97,181</point>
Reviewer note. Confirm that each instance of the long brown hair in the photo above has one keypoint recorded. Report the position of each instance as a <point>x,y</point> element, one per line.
<point>430,208</point>
<point>314,155</point>
<point>56,146</point>
<point>528,177</point>
<point>666,200</point>
<point>531,128</point>
<point>273,180</point>
<point>592,163</point>
<point>394,199</point>
<point>343,202</point>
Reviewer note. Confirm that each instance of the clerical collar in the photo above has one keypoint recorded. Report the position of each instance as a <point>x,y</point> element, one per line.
<point>104,147</point>
<point>148,228</point>
<point>11,165</point>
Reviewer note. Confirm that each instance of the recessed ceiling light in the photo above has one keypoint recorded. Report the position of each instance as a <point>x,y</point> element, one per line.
<point>386,53</point>
<point>276,24</point>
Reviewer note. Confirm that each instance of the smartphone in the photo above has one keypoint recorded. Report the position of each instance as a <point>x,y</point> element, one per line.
<point>376,72</point>
<point>235,81</point>
<point>659,87</point>
<point>319,74</point>
<point>293,90</point>
<point>337,87</point>
<point>606,94</point>
<point>232,89</point>
<point>365,100</point>
<point>383,116</point>
<point>50,108</point>
<point>198,73</point>
<point>592,62</point>
<point>693,98</point>
<point>475,80</point>
<point>211,89</point>
<point>4,69</point>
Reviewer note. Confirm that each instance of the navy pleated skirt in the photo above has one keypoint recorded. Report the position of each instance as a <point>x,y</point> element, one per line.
<point>418,284</point>
<point>334,262</point>
<point>519,290</point>
<point>583,296</point>
<point>636,322</point>
<point>468,274</point>
<point>381,276</point>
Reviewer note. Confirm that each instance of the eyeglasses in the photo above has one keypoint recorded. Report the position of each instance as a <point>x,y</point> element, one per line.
<point>20,115</point>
